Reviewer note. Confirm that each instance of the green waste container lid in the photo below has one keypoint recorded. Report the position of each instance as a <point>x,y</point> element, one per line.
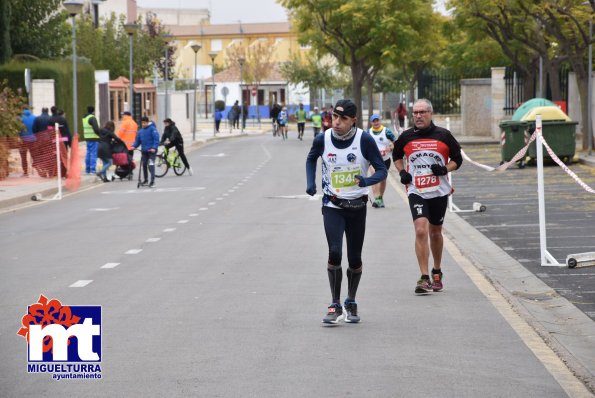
<point>528,105</point>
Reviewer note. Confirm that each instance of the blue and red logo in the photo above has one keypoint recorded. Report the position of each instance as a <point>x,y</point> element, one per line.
<point>64,340</point>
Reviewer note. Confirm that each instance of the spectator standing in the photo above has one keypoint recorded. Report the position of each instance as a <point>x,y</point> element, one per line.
<point>245,110</point>
<point>41,122</point>
<point>107,137</point>
<point>218,117</point>
<point>58,117</point>
<point>127,131</point>
<point>91,135</point>
<point>148,140</point>
<point>401,114</point>
<point>236,114</point>
<point>27,140</point>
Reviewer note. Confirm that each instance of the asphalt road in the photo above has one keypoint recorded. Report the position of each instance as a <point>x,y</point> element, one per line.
<point>512,218</point>
<point>220,286</point>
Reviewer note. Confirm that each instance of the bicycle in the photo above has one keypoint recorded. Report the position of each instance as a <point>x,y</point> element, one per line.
<point>167,159</point>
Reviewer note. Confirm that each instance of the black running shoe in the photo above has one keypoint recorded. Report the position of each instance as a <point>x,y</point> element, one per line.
<point>423,286</point>
<point>351,312</point>
<point>334,314</point>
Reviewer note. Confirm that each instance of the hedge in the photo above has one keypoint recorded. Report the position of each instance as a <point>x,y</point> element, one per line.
<point>61,72</point>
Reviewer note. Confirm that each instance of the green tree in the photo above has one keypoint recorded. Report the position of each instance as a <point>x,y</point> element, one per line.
<point>358,33</point>
<point>107,46</point>
<point>37,27</point>
<point>5,47</point>
<point>312,71</point>
<point>555,30</point>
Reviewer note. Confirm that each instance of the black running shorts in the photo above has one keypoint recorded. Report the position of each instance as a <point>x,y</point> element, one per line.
<point>433,209</point>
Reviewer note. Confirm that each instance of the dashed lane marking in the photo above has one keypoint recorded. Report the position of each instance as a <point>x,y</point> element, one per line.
<point>110,265</point>
<point>134,251</point>
<point>182,221</point>
<point>169,230</point>
<point>153,240</point>
<point>81,283</point>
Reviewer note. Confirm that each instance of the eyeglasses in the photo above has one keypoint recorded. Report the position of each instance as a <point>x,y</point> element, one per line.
<point>420,112</point>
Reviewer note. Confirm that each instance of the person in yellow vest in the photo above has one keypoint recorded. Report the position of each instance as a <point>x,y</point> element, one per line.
<point>316,118</point>
<point>91,136</point>
<point>127,131</point>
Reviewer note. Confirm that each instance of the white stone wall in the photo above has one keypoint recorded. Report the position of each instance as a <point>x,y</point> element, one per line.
<point>42,95</point>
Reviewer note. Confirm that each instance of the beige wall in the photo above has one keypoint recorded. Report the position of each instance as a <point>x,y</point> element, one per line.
<point>476,107</point>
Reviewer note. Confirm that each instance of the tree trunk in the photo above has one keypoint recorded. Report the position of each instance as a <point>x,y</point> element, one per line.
<point>358,75</point>
<point>582,82</point>
<point>370,81</point>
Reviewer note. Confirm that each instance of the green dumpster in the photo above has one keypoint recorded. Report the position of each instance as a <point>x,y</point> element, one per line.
<point>512,139</point>
<point>558,131</point>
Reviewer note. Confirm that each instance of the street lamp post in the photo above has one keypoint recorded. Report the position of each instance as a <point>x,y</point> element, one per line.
<point>195,47</point>
<point>241,61</point>
<point>213,55</point>
<point>130,29</point>
<point>74,7</point>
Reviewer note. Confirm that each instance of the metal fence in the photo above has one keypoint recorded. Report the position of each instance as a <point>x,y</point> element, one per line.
<point>515,88</point>
<point>443,89</point>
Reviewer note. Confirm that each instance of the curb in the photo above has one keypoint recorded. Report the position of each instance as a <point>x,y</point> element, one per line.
<point>562,326</point>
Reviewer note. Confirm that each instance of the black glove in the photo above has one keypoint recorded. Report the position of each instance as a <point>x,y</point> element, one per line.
<point>362,181</point>
<point>406,178</point>
<point>311,190</point>
<point>439,170</point>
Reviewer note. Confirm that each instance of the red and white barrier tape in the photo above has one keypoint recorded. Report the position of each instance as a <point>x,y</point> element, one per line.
<point>556,159</point>
<point>521,154</point>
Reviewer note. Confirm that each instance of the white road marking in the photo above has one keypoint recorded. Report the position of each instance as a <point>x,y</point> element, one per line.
<point>192,214</point>
<point>203,209</point>
<point>225,194</point>
<point>211,203</point>
<point>134,251</point>
<point>110,265</point>
<point>218,198</point>
<point>152,240</point>
<point>219,155</point>
<point>157,190</point>
<point>81,283</point>
<point>240,183</point>
<point>182,221</point>
<point>104,209</point>
<point>231,190</point>
<point>169,230</point>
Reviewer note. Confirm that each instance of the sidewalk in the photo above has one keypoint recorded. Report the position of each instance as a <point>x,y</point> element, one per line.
<point>16,190</point>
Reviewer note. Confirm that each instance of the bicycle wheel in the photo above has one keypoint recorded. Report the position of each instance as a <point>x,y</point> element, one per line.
<point>161,166</point>
<point>179,166</point>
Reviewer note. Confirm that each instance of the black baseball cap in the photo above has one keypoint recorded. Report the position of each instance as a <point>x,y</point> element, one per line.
<point>345,107</point>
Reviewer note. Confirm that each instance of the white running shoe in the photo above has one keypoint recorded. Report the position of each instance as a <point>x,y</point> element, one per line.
<point>190,171</point>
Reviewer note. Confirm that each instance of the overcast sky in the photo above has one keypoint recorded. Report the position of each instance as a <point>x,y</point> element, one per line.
<point>231,11</point>
<point>228,11</point>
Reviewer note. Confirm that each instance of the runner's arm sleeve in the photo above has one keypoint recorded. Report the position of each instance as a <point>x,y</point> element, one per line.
<point>454,149</point>
<point>315,152</point>
<point>371,152</point>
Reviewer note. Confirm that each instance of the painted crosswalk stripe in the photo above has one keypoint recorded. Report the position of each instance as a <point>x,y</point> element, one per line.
<point>81,283</point>
<point>110,265</point>
<point>134,251</point>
